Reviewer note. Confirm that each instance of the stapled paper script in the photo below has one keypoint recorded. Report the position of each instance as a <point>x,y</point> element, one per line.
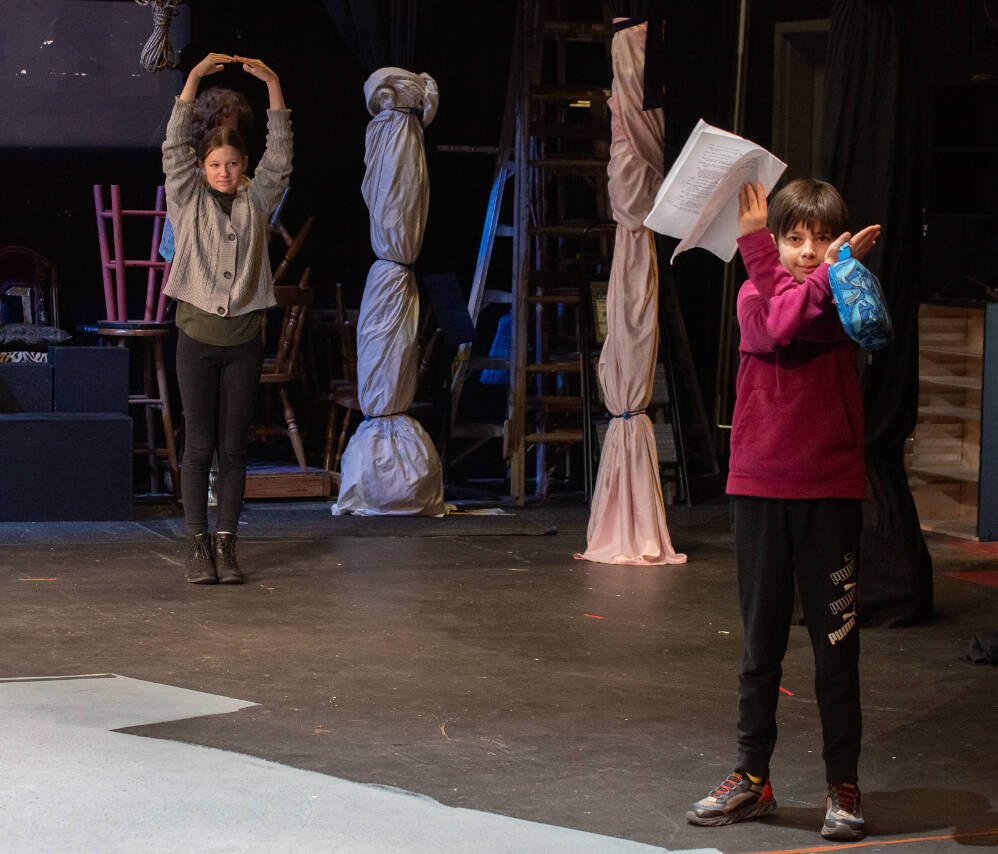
<point>698,200</point>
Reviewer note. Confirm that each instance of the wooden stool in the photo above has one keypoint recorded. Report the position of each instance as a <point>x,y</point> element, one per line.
<point>144,326</point>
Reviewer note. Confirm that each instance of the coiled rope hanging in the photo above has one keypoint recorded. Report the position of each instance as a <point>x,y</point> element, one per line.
<point>158,53</point>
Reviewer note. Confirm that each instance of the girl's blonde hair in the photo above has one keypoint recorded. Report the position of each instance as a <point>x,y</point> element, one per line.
<point>217,137</point>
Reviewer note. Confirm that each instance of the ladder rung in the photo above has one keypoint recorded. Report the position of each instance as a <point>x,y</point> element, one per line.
<point>580,31</point>
<point>570,130</point>
<point>566,338</point>
<point>594,229</point>
<point>553,368</point>
<point>487,363</point>
<point>571,164</point>
<point>476,431</point>
<point>554,299</point>
<point>554,403</point>
<point>570,94</point>
<point>492,296</point>
<point>556,279</point>
<point>554,436</point>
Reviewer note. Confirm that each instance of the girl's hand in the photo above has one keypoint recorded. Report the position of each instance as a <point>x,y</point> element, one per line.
<point>752,208</point>
<point>211,63</point>
<point>257,67</point>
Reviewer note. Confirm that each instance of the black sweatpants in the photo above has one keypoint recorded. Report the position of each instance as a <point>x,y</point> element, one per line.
<point>816,542</point>
<point>217,389</point>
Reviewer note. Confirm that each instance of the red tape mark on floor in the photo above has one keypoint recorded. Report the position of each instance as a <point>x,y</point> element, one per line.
<point>987,577</point>
<point>989,549</point>
<point>817,849</point>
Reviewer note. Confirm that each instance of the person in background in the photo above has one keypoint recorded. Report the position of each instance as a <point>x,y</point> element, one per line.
<point>214,107</point>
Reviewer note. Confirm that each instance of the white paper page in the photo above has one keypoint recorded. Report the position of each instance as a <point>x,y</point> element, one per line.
<point>691,141</point>
<point>709,153</point>
<point>716,229</point>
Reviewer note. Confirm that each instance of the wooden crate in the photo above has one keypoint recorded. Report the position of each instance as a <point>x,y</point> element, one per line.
<point>944,454</point>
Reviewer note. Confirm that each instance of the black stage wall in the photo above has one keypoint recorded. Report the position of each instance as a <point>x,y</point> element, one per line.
<point>49,168</point>
<point>47,182</point>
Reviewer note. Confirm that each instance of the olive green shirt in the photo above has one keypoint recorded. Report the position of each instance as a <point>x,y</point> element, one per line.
<point>220,331</point>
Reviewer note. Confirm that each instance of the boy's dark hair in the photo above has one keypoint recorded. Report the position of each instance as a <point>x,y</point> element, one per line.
<point>217,137</point>
<point>816,204</point>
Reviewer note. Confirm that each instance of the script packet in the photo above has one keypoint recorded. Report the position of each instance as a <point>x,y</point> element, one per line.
<point>698,200</point>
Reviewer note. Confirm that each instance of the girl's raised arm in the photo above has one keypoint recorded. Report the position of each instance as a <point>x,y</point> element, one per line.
<point>209,65</point>
<point>259,69</point>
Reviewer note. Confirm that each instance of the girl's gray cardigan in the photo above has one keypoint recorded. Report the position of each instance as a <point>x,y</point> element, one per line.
<point>221,263</point>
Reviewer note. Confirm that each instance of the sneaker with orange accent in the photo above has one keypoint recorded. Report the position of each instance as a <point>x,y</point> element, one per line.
<point>736,799</point>
<point>843,813</point>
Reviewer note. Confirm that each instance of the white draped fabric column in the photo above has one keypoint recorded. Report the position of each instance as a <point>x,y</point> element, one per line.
<point>627,515</point>
<point>390,466</point>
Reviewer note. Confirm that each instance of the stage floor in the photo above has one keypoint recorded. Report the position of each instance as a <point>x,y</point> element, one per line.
<point>535,702</point>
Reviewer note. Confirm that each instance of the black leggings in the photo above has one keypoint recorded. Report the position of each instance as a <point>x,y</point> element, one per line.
<point>813,541</point>
<point>218,389</point>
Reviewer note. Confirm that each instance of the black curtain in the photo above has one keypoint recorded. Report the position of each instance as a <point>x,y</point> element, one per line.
<point>379,32</point>
<point>873,155</point>
<point>656,50</point>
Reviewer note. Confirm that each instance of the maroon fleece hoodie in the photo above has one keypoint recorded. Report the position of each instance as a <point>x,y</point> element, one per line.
<point>798,424</point>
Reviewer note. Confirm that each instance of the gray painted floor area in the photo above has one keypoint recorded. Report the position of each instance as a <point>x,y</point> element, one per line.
<point>456,684</point>
<point>114,792</point>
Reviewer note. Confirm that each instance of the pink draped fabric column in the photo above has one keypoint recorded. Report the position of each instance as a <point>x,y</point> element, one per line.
<point>627,517</point>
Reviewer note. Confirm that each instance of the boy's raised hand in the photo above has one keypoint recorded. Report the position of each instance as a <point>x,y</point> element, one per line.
<point>863,241</point>
<point>859,245</point>
<point>752,208</point>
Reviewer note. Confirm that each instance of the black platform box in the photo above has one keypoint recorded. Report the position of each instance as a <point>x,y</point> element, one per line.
<point>25,387</point>
<point>62,467</point>
<point>90,379</point>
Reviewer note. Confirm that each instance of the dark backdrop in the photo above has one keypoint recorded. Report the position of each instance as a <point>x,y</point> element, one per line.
<point>47,197</point>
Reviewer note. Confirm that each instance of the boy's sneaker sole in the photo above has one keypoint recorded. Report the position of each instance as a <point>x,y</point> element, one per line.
<point>843,814</point>
<point>736,799</point>
<point>842,832</point>
<point>757,810</point>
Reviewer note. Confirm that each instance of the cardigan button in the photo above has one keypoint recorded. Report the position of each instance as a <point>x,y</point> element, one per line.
<point>221,309</point>
<point>232,236</point>
<point>227,275</point>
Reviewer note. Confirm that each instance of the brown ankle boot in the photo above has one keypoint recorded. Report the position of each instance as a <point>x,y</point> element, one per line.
<point>200,564</point>
<point>225,560</point>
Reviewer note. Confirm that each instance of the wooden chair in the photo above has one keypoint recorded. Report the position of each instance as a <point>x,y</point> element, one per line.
<point>282,365</point>
<point>342,393</point>
<point>33,282</point>
<point>134,315</point>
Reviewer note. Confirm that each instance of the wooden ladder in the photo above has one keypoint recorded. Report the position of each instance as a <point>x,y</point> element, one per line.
<point>698,469</point>
<point>554,146</point>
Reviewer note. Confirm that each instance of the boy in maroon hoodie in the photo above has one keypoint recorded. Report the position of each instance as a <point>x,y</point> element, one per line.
<point>796,479</point>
